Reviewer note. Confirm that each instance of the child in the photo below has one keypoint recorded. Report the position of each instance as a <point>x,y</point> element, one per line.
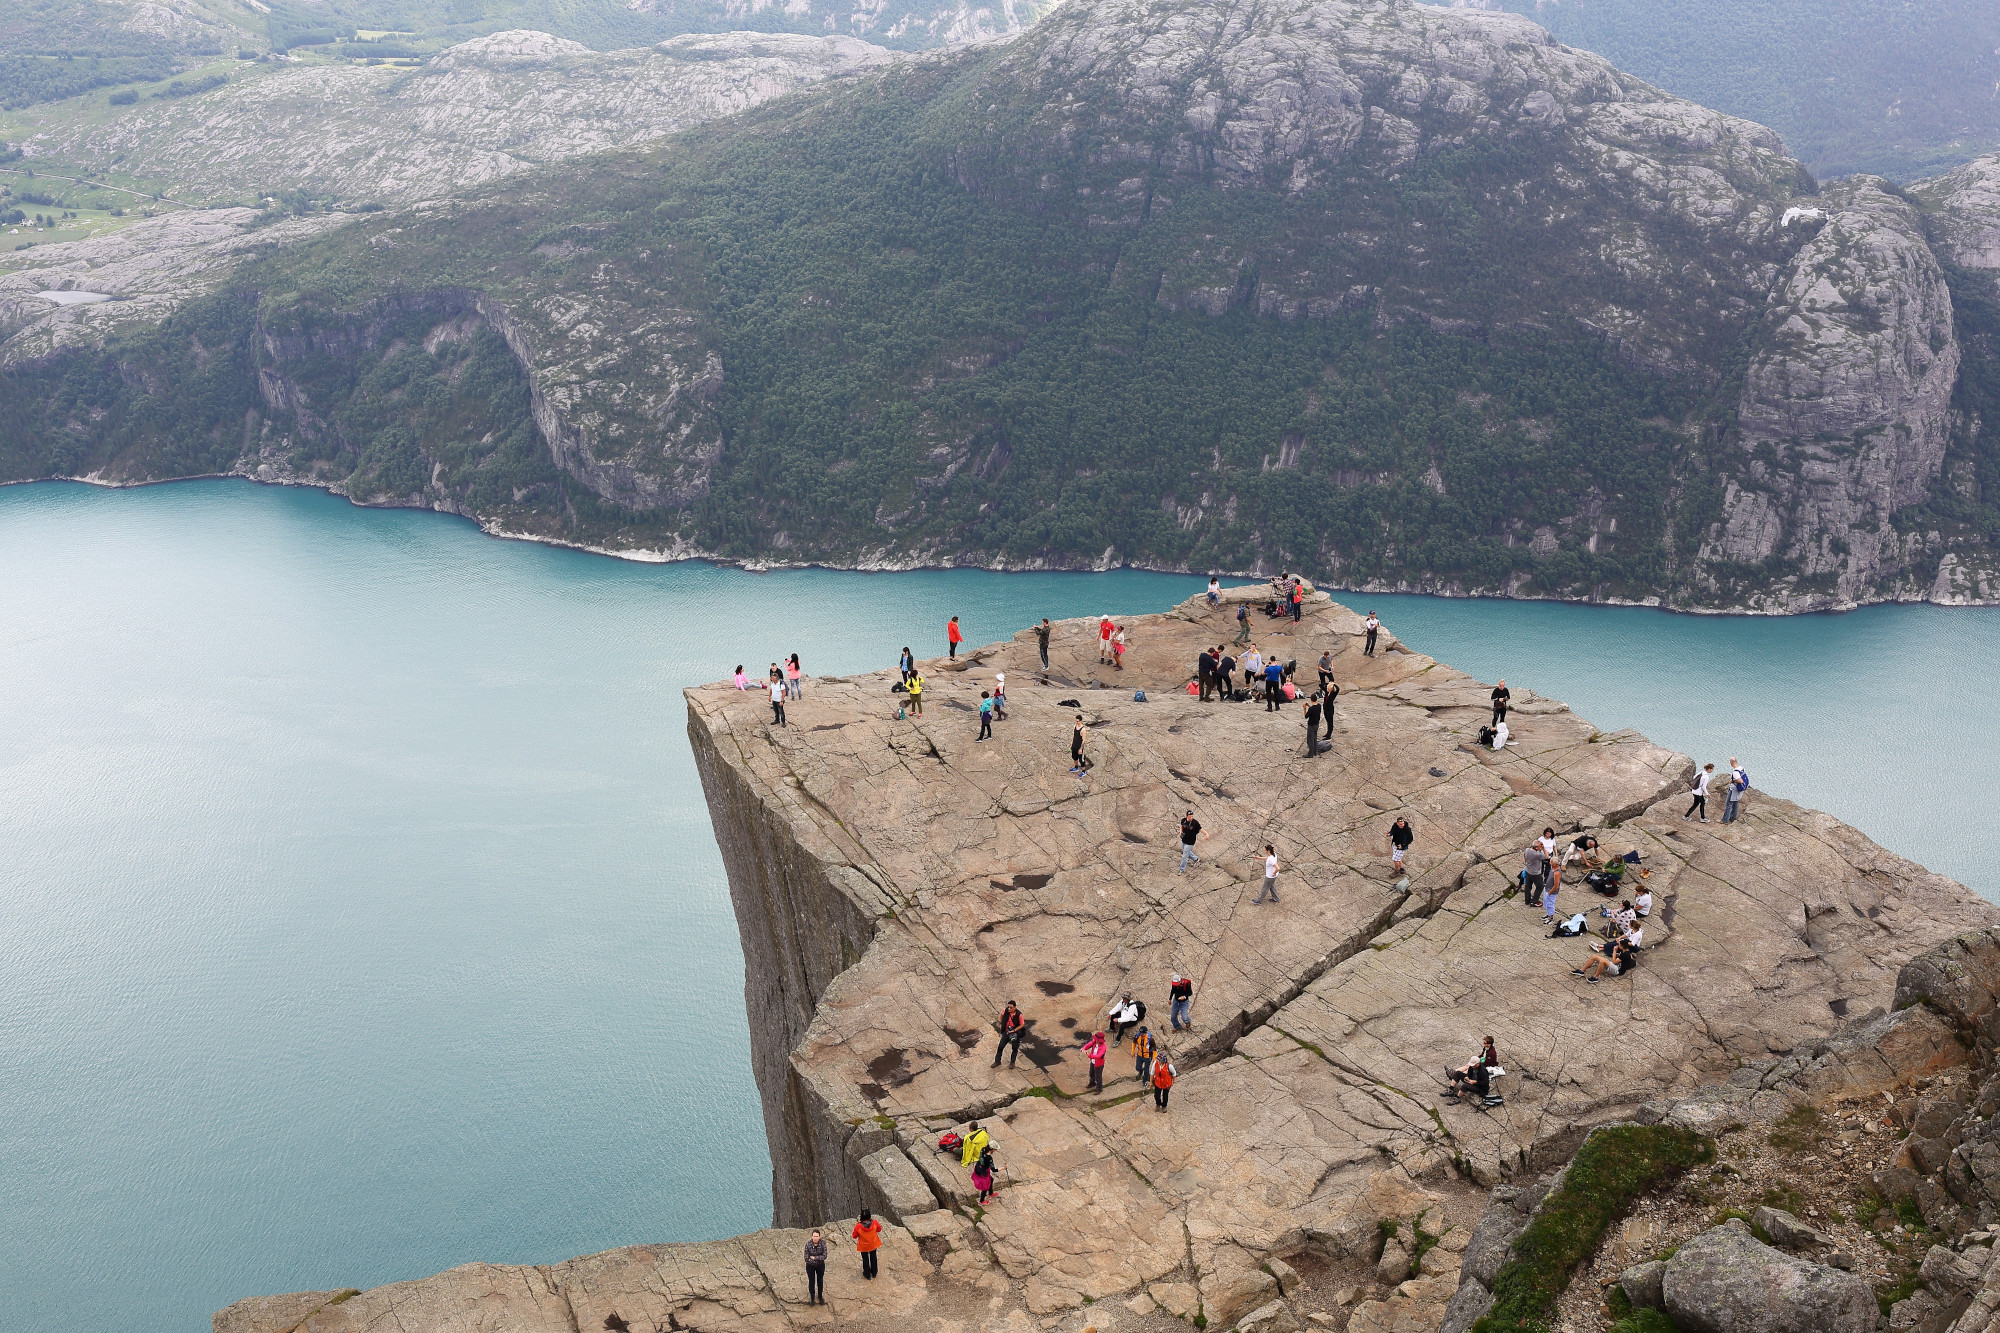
<point>982,1176</point>
<point>742,681</point>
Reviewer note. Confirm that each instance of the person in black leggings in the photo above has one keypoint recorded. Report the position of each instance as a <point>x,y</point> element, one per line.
<point>1700,793</point>
<point>816,1270</point>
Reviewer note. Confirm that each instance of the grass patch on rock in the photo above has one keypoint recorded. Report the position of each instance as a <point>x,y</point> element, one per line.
<point>1612,1169</point>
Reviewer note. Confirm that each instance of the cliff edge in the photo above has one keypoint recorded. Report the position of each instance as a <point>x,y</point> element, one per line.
<point>897,881</point>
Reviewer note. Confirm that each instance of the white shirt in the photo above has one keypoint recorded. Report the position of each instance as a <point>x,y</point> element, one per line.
<point>1547,844</point>
<point>1701,783</point>
<point>1215,585</point>
<point>1637,936</point>
<point>1643,904</point>
<point>1500,737</point>
<point>777,691</point>
<point>1371,623</point>
<point>1270,867</point>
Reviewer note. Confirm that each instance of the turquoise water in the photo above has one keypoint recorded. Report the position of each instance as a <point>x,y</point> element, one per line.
<point>361,915</point>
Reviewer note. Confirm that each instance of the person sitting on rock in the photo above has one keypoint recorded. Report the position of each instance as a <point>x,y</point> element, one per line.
<point>1642,904</point>
<point>1125,1015</point>
<point>1474,1071</point>
<point>1597,965</point>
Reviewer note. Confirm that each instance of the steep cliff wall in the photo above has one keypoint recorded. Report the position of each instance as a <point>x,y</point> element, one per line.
<point>803,920</point>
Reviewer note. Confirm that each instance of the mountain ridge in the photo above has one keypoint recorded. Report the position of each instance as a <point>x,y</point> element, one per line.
<point>1130,288</point>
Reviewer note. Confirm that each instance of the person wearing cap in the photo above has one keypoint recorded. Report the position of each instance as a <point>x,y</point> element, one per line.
<point>1124,1016</point>
<point>1180,996</point>
<point>1190,831</point>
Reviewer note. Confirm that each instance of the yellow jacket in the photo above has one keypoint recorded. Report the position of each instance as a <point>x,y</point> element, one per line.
<point>975,1144</point>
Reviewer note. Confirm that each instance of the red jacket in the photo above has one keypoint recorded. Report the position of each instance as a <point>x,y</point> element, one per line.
<point>1093,1051</point>
<point>951,633</point>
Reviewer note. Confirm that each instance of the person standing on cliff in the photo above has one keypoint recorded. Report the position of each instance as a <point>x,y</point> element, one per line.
<point>777,687</point>
<point>1142,1055</point>
<point>816,1270</point>
<point>1732,795</point>
<point>868,1240</point>
<point>1242,622</point>
<point>1012,1028</point>
<point>1270,888</point>
<point>985,715</point>
<point>1314,711</point>
<point>794,676</point>
<point>1078,763</point>
<point>1190,830</point>
<point>1104,628</point>
<point>914,687</point>
<point>907,665</point>
<point>1401,835</point>
<point>1373,627</point>
<point>1204,672</point>
<point>1163,1081</point>
<point>1700,793</point>
<point>953,636</point>
<point>1093,1054</point>
<point>999,696</point>
<point>975,1143</point>
<point>1502,696</point>
<point>1180,996</point>
<point>1042,640</point>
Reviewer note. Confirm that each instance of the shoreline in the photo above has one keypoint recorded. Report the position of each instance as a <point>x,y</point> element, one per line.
<point>666,556</point>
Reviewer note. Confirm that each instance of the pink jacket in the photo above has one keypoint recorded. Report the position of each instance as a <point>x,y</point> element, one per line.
<point>1093,1050</point>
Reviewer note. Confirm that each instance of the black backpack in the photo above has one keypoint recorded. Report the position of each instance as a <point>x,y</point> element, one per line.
<point>1140,1005</point>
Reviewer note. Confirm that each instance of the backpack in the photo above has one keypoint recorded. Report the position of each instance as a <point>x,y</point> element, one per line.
<point>1139,696</point>
<point>1746,783</point>
<point>1140,1005</point>
<point>950,1142</point>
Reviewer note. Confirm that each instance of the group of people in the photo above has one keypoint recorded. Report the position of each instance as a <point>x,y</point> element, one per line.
<point>1150,1062</point>
<point>784,682</point>
<point>1111,643</point>
<point>1734,786</point>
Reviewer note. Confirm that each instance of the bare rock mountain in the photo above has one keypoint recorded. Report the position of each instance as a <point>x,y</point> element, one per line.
<point>482,110</point>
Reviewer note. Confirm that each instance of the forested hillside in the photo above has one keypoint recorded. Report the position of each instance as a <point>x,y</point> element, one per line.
<point>1400,296</point>
<point>1884,86</point>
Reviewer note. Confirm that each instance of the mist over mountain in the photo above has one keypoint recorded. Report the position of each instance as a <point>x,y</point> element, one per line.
<point>1879,86</point>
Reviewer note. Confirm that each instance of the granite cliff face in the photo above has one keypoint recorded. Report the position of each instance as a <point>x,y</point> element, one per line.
<point>896,881</point>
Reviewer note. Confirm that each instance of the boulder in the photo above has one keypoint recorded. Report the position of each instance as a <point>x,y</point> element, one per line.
<point>1787,1232</point>
<point>1959,978</point>
<point>1232,1286</point>
<point>1491,1239</point>
<point>1728,1281</point>
<point>1178,1299</point>
<point>1394,1265</point>
<point>1641,1284</point>
<point>892,1185</point>
<point>1275,1317</point>
<point>1468,1305</point>
<point>1287,1276</point>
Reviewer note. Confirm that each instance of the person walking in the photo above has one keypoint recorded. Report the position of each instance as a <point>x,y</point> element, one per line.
<point>908,665</point>
<point>1142,1055</point>
<point>1214,590</point>
<point>816,1270</point>
<point>1180,997</point>
<point>1042,640</point>
<point>985,714</point>
<point>1372,626</point>
<point>999,696</point>
<point>1190,830</point>
<point>1079,762</point>
<point>1118,647</point>
<point>795,678</point>
<point>914,687</point>
<point>1163,1082</point>
<point>868,1240</point>
<point>1270,888</point>
<point>1700,793</point>
<point>1298,600</point>
<point>1401,835</point>
<point>777,687</point>
<point>982,1176</point>
<point>1242,622</point>
<point>1502,696</point>
<point>1012,1028</point>
<point>1093,1054</point>
<point>1313,713</point>
<point>953,637</point>
<point>1104,628</point>
<point>1732,795</point>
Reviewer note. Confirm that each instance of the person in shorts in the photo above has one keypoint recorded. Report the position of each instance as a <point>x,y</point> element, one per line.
<point>1401,835</point>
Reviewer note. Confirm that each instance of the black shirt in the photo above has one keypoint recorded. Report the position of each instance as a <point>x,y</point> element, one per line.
<point>1190,830</point>
<point>1182,989</point>
<point>1011,1020</point>
<point>1332,690</point>
<point>1205,664</point>
<point>1076,740</point>
<point>1312,715</point>
<point>1402,835</point>
<point>1042,635</point>
<point>1228,666</point>
<point>1502,695</point>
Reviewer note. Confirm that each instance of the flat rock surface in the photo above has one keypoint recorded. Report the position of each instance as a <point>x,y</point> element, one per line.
<point>1307,1106</point>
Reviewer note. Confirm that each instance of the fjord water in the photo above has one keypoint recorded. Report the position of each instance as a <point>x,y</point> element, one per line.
<point>361,913</point>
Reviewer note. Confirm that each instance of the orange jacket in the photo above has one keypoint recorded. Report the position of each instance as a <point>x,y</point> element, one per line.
<point>867,1236</point>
